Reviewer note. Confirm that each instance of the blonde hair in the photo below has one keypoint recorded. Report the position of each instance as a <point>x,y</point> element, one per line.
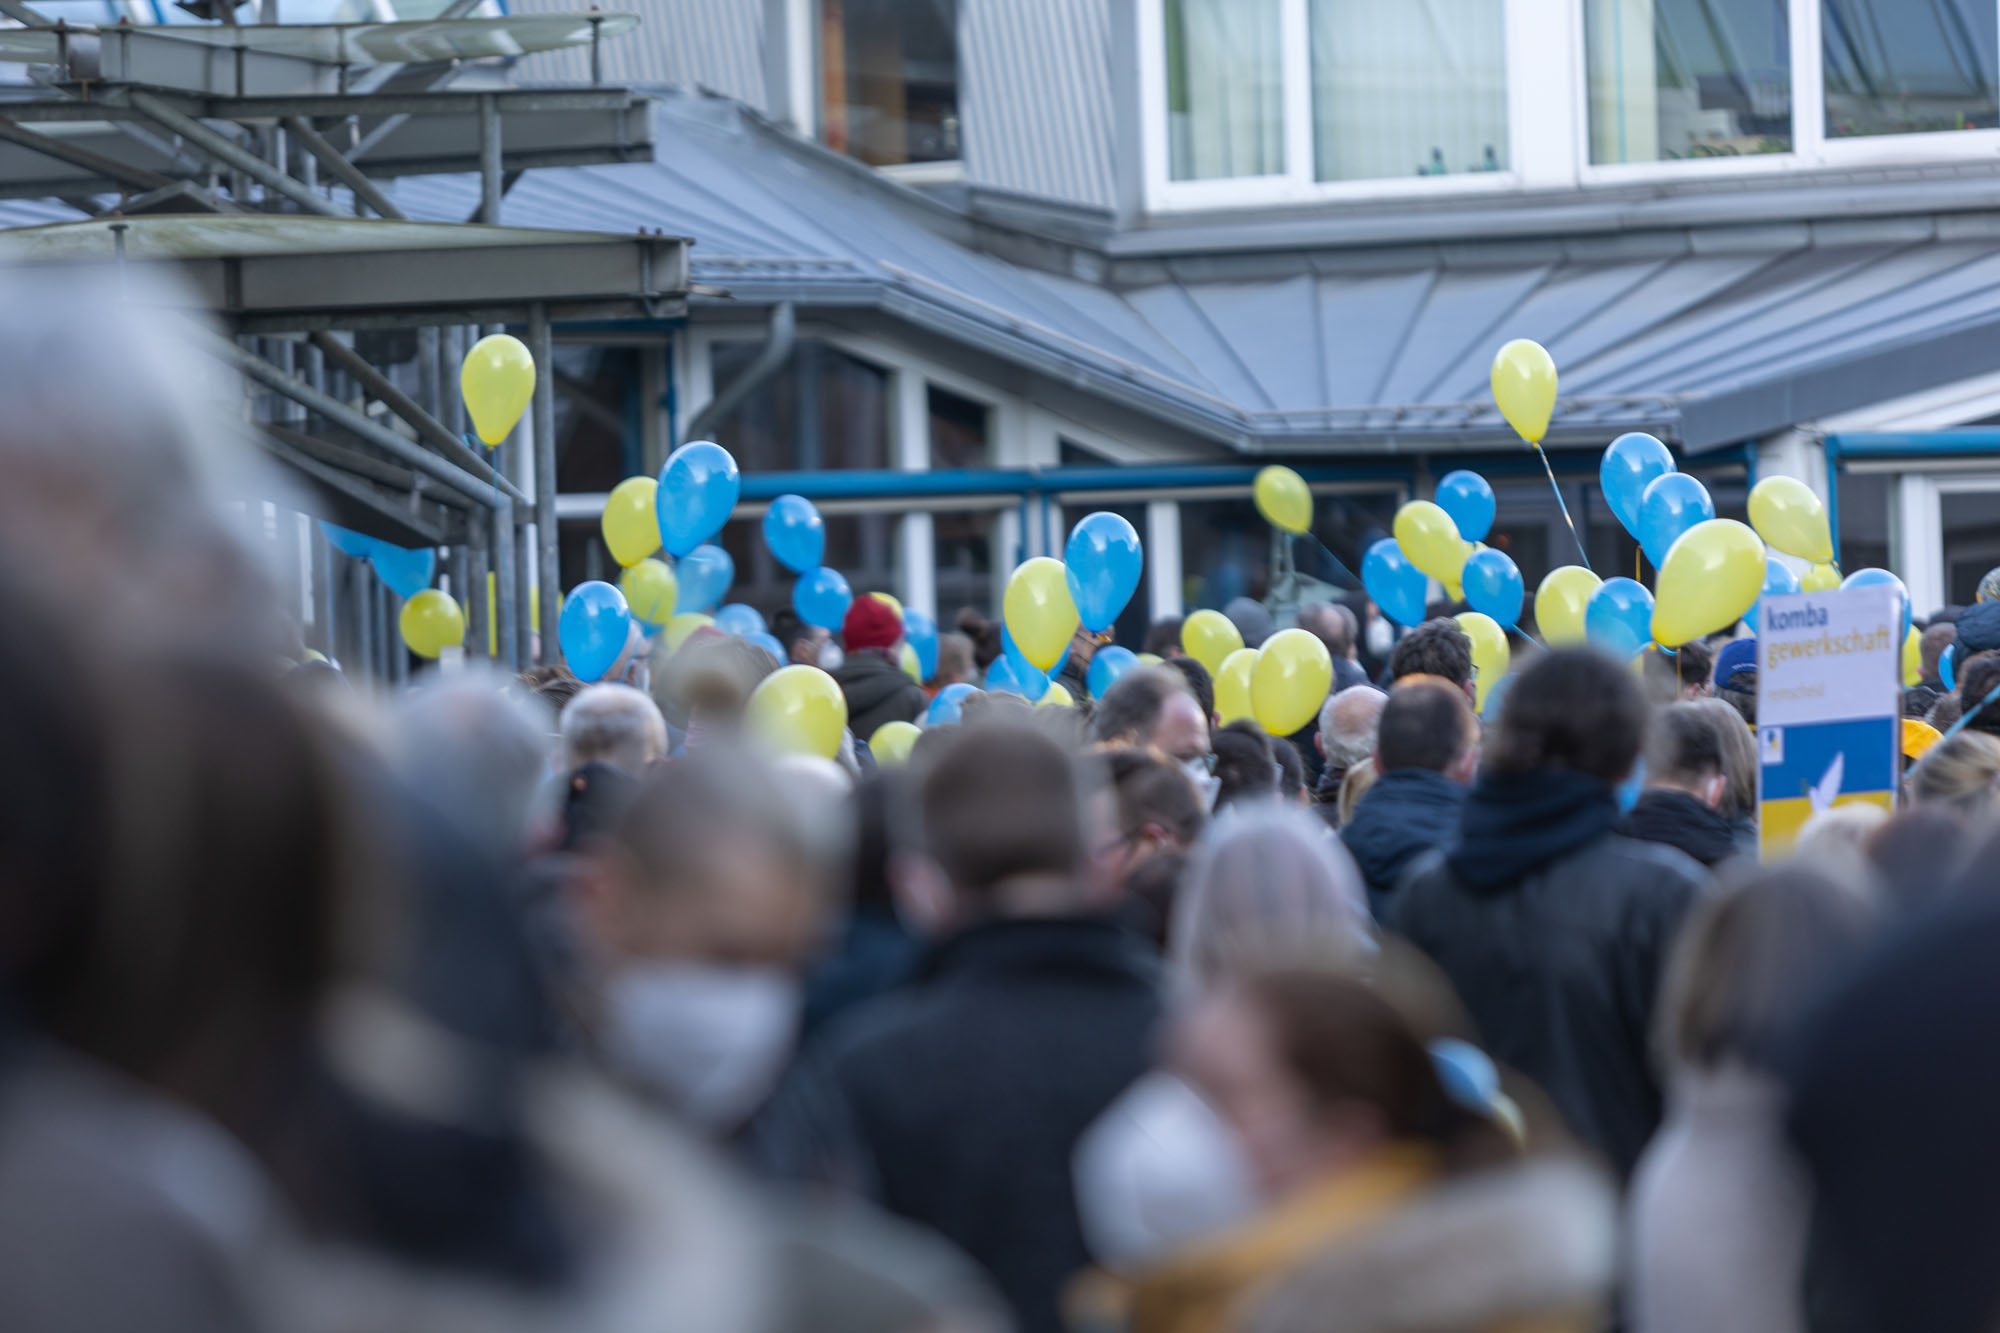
<point>715,673</point>
<point>1352,788</point>
<point>1961,773</point>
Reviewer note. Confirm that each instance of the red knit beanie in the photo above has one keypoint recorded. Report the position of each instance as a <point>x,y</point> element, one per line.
<point>870,623</point>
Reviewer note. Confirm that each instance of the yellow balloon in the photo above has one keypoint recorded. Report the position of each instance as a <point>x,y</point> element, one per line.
<point>797,710</point>
<point>1790,517</point>
<point>912,665</point>
<point>682,627</point>
<point>1232,687</point>
<point>1056,696</point>
<point>1713,573</point>
<point>631,522</point>
<point>1490,652</point>
<point>1524,387</point>
<point>650,590</point>
<point>1820,578</point>
<point>1151,659</point>
<point>1913,658</point>
<point>1038,611</point>
<point>431,622</point>
<point>1283,500</point>
<point>498,381</point>
<point>1290,682</point>
<point>1560,603</point>
<point>1430,539</point>
<point>1209,637</point>
<point>892,742</point>
<point>889,602</point>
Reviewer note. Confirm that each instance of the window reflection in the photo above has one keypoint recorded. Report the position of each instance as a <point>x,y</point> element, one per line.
<point>1909,66</point>
<point>1675,79</point>
<point>889,79</point>
<point>1225,89</point>
<point>1971,543</point>
<point>1402,89</point>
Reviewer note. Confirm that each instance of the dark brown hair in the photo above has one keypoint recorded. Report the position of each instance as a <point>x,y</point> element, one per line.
<point>1573,709</point>
<point>1002,800</point>
<point>1438,647</point>
<point>1152,789</point>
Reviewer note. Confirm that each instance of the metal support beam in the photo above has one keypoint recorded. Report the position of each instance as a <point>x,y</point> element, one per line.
<point>548,550</point>
<point>351,460</point>
<point>406,407</point>
<point>506,599</point>
<point>19,12</point>
<point>777,346</point>
<point>135,178</point>
<point>236,157</point>
<point>366,190</point>
<point>478,548</point>
<point>489,161</point>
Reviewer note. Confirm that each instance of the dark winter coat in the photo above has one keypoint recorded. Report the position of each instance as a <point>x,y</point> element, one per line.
<point>878,692</point>
<point>1676,819</point>
<point>1555,932</point>
<point>957,1101</point>
<point>1406,813</point>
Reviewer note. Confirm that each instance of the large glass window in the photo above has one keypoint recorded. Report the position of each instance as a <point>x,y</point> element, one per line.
<point>1864,520</point>
<point>1675,79</point>
<point>1909,66</point>
<point>889,79</point>
<point>1225,89</point>
<point>1971,522</point>
<point>962,538</point>
<point>1413,88</point>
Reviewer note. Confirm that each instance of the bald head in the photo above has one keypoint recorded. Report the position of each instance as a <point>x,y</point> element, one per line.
<point>1347,724</point>
<point>1333,625</point>
<point>615,725</point>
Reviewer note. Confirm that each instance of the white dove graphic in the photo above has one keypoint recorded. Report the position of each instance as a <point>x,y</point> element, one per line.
<point>1821,793</point>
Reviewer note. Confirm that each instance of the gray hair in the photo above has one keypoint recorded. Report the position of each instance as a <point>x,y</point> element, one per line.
<point>1347,723</point>
<point>1267,884</point>
<point>613,724</point>
<point>478,751</point>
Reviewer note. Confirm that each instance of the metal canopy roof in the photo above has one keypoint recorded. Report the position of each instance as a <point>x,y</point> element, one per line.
<point>1705,335</point>
<point>265,273</point>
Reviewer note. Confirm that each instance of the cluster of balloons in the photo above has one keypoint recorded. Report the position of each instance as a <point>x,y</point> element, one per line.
<point>1048,600</point>
<point>1279,685</point>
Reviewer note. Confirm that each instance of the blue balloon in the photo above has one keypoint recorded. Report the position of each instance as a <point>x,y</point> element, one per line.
<point>948,708</point>
<point>822,597</point>
<point>1632,462</point>
<point>1882,578</point>
<point>1948,667</point>
<point>702,576</point>
<point>740,620</point>
<point>1469,500</point>
<point>1103,561</point>
<point>1493,586</point>
<point>347,541</point>
<point>921,633</point>
<point>698,488</point>
<point>1778,581</point>
<point>593,628</point>
<point>1110,663</point>
<point>1021,676</point>
<point>1671,505</point>
<point>1619,617</point>
<point>794,532</point>
<point>1496,696</point>
<point>405,573</point>
<point>1396,585</point>
<point>769,643</point>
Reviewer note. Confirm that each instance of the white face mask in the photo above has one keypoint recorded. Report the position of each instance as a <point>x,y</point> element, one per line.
<point>1157,1172</point>
<point>1381,637</point>
<point>713,1040</point>
<point>1205,781</point>
<point>830,656</point>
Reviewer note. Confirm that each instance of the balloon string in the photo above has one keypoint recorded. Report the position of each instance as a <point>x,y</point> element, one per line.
<point>1338,563</point>
<point>1967,716</point>
<point>1561,504</point>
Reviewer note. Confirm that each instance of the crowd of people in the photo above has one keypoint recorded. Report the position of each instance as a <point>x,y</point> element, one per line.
<point>529,1004</point>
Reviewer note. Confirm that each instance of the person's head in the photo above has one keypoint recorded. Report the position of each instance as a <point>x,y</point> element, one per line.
<point>1751,960</point>
<point>1574,709</point>
<point>1313,1071</point>
<point>1199,682</point>
<point>1163,638</point>
<point>1976,680</point>
<point>871,626</point>
<point>698,910</point>
<point>634,666</point>
<point>1920,854</point>
<point>1735,677</point>
<point>802,642</point>
<point>553,685</point>
<point>1348,725</point>
<point>1244,764</point>
<point>1353,787</point>
<point>954,660</point>
<point>1010,824</point>
<point>1836,837</point>
<point>1427,724</point>
<point>1333,625</point>
<point>479,750</point>
<point>1694,664</point>
<point>1437,647</point>
<point>1267,886</point>
<point>1160,813</point>
<point>1153,707</point>
<point>1684,754</point>
<point>1944,712</point>
<point>1931,646</point>
<point>1291,772</point>
<point>1739,758</point>
<point>708,683</point>
<point>1961,774</point>
<point>1251,619</point>
<point>613,724</point>
<point>985,636</point>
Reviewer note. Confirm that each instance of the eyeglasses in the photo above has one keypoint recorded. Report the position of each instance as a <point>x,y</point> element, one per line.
<point>1206,762</point>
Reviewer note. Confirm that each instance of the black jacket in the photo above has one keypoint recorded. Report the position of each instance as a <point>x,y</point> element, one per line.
<point>1406,813</point>
<point>878,691</point>
<point>957,1101</point>
<point>1676,819</point>
<point>1555,932</point>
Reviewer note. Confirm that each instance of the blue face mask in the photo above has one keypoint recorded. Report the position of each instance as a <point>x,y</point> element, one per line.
<point>1628,790</point>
